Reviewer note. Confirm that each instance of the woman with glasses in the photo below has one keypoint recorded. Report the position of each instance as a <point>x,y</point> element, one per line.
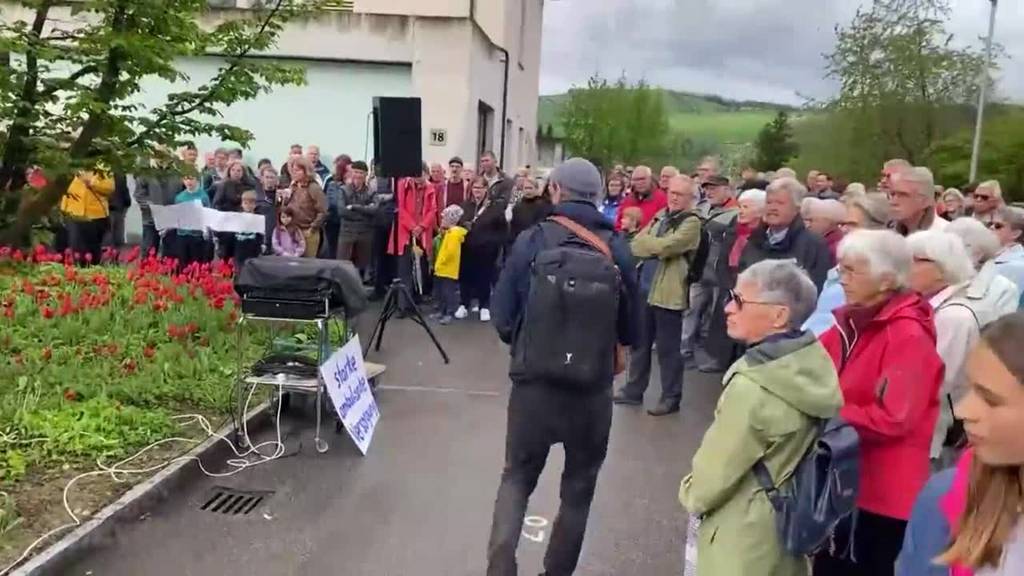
<point>772,398</point>
<point>867,212</point>
<point>941,272</point>
<point>1008,224</point>
<point>996,291</point>
<point>954,203</point>
<point>883,347</point>
<point>987,198</point>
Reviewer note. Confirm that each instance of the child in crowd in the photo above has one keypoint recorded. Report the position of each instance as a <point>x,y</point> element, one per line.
<point>446,264</point>
<point>288,239</point>
<point>631,218</point>
<point>192,245</point>
<point>247,244</point>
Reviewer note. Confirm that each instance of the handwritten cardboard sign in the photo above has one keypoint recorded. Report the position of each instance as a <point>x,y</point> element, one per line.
<point>349,389</point>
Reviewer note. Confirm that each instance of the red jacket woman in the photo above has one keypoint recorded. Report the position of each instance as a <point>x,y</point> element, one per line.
<point>890,376</point>
<point>417,203</point>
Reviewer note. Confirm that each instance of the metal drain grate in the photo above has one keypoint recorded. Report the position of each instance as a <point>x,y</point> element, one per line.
<point>230,502</point>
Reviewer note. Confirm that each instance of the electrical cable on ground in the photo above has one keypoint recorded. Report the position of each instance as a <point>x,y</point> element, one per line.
<point>237,464</point>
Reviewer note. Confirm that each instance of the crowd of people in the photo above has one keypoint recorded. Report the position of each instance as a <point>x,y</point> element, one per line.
<point>893,306</point>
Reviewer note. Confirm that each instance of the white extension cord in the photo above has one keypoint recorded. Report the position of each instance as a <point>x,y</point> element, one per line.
<point>117,473</point>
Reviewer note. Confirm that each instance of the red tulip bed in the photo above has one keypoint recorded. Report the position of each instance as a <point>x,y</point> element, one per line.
<point>94,363</point>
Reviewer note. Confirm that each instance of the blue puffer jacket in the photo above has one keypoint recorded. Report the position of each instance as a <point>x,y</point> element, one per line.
<point>928,532</point>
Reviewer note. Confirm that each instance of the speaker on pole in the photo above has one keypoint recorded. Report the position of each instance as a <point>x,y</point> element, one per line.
<point>398,136</point>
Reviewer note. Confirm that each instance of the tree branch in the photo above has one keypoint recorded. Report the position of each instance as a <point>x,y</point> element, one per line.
<point>235,60</point>
<point>70,80</point>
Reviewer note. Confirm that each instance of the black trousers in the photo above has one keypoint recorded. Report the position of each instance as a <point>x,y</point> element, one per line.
<point>476,274</point>
<point>446,293</point>
<point>664,328</point>
<point>85,237</point>
<point>538,417</point>
<point>877,541</point>
<point>247,249</point>
<point>332,231</point>
<point>383,268</point>
<point>190,249</point>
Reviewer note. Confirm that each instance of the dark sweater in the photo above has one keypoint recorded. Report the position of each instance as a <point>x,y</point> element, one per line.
<point>489,229</point>
<point>808,249</point>
<point>526,213</point>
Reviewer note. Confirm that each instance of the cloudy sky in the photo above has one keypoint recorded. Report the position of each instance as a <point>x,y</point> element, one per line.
<point>745,49</point>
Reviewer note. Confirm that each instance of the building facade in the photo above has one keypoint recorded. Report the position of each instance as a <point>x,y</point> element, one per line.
<point>475,64</point>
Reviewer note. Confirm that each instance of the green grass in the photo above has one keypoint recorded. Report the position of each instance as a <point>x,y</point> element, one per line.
<point>739,127</point>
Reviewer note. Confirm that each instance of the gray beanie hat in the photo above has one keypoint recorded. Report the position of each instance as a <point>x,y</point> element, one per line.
<point>579,178</point>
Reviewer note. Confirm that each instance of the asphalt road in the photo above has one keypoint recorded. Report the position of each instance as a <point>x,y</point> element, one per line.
<point>420,503</point>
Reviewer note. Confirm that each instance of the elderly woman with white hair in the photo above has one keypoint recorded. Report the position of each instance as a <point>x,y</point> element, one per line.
<point>883,346</point>
<point>941,272</point>
<point>720,348</point>
<point>825,219</point>
<point>773,398</point>
<point>997,292</point>
<point>1008,224</point>
<point>953,204</point>
<point>867,212</point>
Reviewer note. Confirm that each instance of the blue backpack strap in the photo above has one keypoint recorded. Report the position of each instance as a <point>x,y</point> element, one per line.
<point>764,479</point>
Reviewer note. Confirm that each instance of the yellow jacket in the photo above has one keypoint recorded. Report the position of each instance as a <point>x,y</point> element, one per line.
<point>446,264</point>
<point>82,203</point>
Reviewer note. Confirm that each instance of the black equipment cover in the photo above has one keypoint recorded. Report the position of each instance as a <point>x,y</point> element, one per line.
<point>311,280</point>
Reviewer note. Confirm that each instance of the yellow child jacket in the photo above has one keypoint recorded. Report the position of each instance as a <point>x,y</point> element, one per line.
<point>446,264</point>
<point>81,203</point>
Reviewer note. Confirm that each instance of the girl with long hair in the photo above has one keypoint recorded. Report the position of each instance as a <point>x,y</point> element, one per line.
<point>968,519</point>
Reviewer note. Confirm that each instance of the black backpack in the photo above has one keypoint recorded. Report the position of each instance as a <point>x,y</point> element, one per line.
<point>700,256</point>
<point>821,492</point>
<point>568,334</point>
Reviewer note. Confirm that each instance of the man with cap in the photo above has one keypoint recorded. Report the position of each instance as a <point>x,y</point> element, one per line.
<point>541,413</point>
<point>357,207</point>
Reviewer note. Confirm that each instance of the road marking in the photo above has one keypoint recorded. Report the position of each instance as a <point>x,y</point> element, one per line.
<point>441,390</point>
<point>533,528</point>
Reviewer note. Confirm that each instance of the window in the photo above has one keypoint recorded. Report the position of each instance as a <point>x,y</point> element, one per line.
<point>484,129</point>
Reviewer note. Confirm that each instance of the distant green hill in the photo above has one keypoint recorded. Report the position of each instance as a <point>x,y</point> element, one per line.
<point>701,118</point>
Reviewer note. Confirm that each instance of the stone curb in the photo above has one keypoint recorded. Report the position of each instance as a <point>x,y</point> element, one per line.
<point>102,527</point>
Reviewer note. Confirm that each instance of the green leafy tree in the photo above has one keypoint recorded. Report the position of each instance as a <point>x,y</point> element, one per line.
<point>1003,159</point>
<point>904,85</point>
<point>775,145</point>
<point>609,122</point>
<point>69,101</point>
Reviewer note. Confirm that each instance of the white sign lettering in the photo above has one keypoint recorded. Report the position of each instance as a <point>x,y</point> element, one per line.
<point>349,389</point>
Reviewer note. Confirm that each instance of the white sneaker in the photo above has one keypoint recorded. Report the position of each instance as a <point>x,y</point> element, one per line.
<point>485,315</point>
<point>476,308</point>
<point>461,313</point>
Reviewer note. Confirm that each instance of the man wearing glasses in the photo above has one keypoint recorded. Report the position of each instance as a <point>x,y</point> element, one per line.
<point>912,201</point>
<point>988,199</point>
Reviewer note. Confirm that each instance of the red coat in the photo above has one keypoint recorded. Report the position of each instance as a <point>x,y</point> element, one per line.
<point>649,206</point>
<point>408,218</point>
<point>890,381</point>
<point>833,238</point>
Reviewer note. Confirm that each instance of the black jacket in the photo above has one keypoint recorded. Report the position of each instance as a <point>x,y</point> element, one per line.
<point>501,189</point>
<point>121,199</point>
<point>526,213</point>
<point>513,288</point>
<point>489,230</point>
<point>808,249</point>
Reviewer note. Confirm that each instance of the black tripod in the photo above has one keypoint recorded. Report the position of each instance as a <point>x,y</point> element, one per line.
<point>392,305</point>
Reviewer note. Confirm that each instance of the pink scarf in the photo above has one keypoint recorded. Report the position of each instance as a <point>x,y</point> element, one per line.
<point>954,503</point>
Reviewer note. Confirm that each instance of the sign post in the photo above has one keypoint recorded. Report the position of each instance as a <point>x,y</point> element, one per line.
<point>349,389</point>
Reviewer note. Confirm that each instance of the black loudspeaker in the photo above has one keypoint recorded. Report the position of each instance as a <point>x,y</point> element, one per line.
<point>398,136</point>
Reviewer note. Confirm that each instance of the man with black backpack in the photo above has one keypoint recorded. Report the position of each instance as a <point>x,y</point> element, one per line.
<point>670,245</point>
<point>563,303</point>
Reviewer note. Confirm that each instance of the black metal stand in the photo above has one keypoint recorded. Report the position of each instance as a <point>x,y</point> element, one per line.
<point>392,306</point>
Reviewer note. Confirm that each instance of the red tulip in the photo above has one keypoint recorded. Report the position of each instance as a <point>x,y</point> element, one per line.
<point>9,312</point>
<point>149,351</point>
<point>70,395</point>
<point>18,256</point>
<point>47,312</point>
<point>129,366</point>
<point>47,353</point>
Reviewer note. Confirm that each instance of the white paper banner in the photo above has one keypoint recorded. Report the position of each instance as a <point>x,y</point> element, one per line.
<point>349,389</point>
<point>193,216</point>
